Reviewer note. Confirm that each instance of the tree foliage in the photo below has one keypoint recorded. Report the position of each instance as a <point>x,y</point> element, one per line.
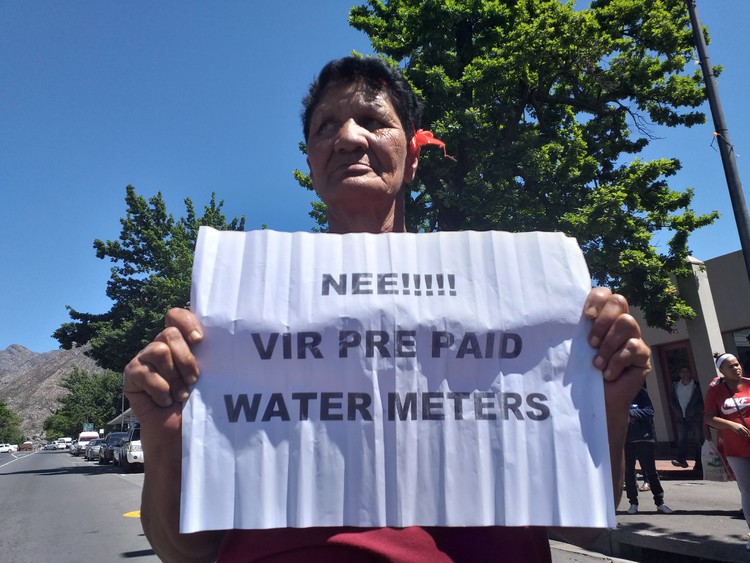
<point>95,399</point>
<point>10,426</point>
<point>153,258</point>
<point>544,108</point>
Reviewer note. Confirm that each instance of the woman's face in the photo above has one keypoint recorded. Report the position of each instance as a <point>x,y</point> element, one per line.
<point>357,151</point>
<point>731,369</point>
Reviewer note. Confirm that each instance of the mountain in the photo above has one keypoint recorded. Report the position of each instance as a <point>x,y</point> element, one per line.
<point>29,382</point>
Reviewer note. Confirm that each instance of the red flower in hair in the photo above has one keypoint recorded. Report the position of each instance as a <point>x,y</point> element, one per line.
<point>422,138</point>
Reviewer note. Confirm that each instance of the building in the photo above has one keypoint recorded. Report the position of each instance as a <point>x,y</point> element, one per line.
<point>719,292</point>
<point>121,421</point>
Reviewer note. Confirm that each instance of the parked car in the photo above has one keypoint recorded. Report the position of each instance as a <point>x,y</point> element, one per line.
<point>83,440</point>
<point>64,443</point>
<point>92,449</point>
<point>128,453</point>
<point>116,451</point>
<point>50,446</point>
<point>107,448</point>
<point>27,446</point>
<point>5,448</point>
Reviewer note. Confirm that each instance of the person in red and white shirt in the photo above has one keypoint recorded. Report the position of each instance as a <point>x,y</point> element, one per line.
<point>727,408</point>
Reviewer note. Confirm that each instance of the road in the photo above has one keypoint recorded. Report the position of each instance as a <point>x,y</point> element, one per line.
<point>56,507</point>
<point>63,509</point>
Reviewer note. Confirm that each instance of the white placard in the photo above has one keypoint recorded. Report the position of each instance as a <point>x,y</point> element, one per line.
<point>398,379</point>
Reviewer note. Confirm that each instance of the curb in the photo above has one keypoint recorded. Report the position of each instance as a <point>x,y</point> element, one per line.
<point>582,555</point>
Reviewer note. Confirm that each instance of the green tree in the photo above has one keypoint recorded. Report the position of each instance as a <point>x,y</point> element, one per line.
<point>153,258</point>
<point>90,398</point>
<point>544,107</point>
<point>10,426</point>
<point>56,426</point>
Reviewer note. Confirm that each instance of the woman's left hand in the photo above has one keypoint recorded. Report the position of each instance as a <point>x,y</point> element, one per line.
<point>621,353</point>
<point>624,359</point>
<point>740,429</point>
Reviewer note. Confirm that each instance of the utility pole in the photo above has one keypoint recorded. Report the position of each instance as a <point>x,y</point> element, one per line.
<point>722,136</point>
<point>122,404</point>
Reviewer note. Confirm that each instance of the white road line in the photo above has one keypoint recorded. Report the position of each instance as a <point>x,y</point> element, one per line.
<point>16,457</point>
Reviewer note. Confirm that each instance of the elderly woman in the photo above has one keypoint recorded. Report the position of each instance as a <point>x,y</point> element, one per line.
<point>359,121</point>
<point>726,409</point>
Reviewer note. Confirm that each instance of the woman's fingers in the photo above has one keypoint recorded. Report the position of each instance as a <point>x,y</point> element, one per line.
<point>603,307</point>
<point>165,368</point>
<point>622,348</point>
<point>176,362</point>
<point>615,335</point>
<point>186,322</point>
<point>151,372</point>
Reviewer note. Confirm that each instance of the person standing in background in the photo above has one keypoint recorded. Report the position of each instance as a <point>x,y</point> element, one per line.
<point>687,402</point>
<point>640,444</point>
<point>727,403</point>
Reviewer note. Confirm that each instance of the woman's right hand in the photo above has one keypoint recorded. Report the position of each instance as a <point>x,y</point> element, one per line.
<point>157,379</point>
<point>156,384</point>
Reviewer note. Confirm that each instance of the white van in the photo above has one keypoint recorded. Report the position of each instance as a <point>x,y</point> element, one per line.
<point>83,440</point>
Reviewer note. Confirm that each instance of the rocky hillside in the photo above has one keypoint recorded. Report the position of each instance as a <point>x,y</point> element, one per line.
<point>29,382</point>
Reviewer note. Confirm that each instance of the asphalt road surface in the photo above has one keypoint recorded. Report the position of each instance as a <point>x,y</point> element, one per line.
<point>58,508</point>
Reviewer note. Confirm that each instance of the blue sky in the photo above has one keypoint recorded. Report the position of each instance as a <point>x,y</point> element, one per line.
<point>193,97</point>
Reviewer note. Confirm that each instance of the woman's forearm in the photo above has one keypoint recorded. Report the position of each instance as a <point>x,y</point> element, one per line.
<point>160,507</point>
<point>717,422</point>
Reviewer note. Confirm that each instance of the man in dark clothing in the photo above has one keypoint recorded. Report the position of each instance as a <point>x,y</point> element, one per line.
<point>641,444</point>
<point>687,403</point>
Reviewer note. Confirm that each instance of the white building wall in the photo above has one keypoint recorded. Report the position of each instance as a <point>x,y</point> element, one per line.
<point>714,313</point>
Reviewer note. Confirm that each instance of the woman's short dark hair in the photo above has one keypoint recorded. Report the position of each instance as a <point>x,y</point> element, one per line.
<point>377,76</point>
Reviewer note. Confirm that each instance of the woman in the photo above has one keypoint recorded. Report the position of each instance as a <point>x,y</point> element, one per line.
<point>359,120</point>
<point>726,409</point>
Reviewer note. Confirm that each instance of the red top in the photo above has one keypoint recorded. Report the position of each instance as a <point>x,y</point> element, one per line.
<point>386,545</point>
<point>721,399</point>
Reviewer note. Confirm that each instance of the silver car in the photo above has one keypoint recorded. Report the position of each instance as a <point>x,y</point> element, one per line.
<point>92,449</point>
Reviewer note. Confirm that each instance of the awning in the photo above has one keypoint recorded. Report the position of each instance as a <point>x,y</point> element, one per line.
<point>123,419</point>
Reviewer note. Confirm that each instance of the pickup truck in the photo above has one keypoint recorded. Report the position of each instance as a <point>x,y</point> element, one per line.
<point>128,452</point>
